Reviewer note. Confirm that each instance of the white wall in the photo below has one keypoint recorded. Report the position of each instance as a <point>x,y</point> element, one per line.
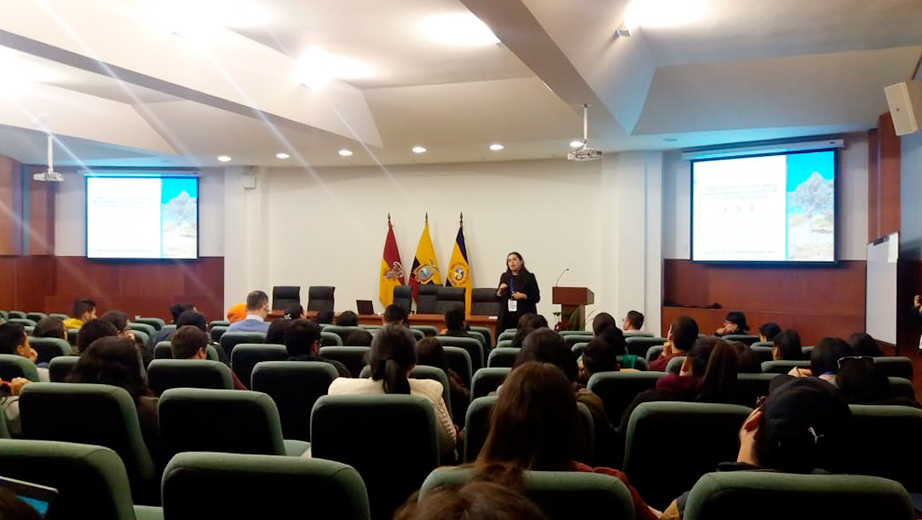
<point>852,210</point>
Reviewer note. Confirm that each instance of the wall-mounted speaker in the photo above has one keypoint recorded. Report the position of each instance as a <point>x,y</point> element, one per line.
<point>905,100</point>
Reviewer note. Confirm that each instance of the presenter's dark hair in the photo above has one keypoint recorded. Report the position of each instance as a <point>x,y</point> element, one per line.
<point>684,332</point>
<point>396,315</point>
<point>392,355</point>
<point>739,319</point>
<point>81,306</point>
<point>256,299</point>
<point>50,327</point>
<point>788,345</point>
<point>347,319</point>
<point>522,260</point>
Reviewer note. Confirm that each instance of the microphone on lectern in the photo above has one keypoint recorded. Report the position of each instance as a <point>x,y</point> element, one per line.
<point>561,276</point>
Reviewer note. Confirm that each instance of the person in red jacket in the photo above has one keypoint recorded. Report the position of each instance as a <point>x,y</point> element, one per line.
<point>682,335</point>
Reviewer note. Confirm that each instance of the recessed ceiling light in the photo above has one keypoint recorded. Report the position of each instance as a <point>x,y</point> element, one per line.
<point>419,149</point>
<point>345,153</point>
<point>496,147</point>
<point>316,68</point>
<point>224,158</point>
<point>664,13</point>
<point>458,29</point>
<point>282,155</point>
<point>575,143</point>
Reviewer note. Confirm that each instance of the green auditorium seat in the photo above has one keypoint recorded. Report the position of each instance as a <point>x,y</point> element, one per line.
<point>17,315</point>
<point>219,323</point>
<point>675,365</point>
<point>566,333</point>
<point>506,334</point>
<point>86,413</point>
<point>321,489</point>
<point>342,332</point>
<point>156,323</point>
<point>4,315</point>
<point>72,336</point>
<point>390,439</point>
<point>900,387</point>
<point>763,344</point>
<point>246,355</point>
<point>163,374</point>
<point>50,348</point>
<point>659,473</point>
<point>750,387</point>
<point>748,339</point>
<point>764,352</point>
<point>229,421</point>
<point>230,339</point>
<point>894,366</point>
<point>217,331</point>
<point>573,339</point>
<point>59,316</point>
<point>653,353</point>
<point>91,480</point>
<point>897,456</point>
<point>504,343</point>
<point>755,495</point>
<point>60,366</point>
<point>487,380</point>
<point>478,426</point>
<point>782,366</point>
<point>36,316</point>
<point>418,334</point>
<point>25,322</point>
<point>636,333</point>
<point>12,365</point>
<point>502,357</point>
<point>294,386</point>
<point>352,357</point>
<point>485,333</point>
<point>428,330</point>
<point>617,390</point>
<point>141,337</point>
<point>329,339</point>
<point>638,345</point>
<point>150,330</point>
<point>561,495</point>
<point>459,360</point>
<point>578,348</point>
<point>162,350</point>
<point>473,347</point>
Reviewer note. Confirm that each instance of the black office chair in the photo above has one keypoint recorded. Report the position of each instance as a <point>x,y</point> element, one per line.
<point>284,296</point>
<point>320,298</point>
<point>403,297</point>
<point>427,299</point>
<point>484,302</point>
<point>448,298</point>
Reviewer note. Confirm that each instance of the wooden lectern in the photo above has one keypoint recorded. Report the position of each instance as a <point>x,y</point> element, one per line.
<point>573,301</point>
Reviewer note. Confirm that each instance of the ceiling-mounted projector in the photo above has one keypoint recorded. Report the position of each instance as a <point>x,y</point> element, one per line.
<point>49,175</point>
<point>584,153</point>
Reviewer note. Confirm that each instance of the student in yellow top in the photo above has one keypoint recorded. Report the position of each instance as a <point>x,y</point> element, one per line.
<point>84,310</point>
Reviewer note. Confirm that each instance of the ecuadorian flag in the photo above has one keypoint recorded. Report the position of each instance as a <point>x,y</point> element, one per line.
<point>425,269</point>
<point>459,270</point>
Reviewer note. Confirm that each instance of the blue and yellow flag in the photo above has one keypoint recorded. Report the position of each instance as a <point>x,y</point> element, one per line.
<point>425,269</point>
<point>459,269</point>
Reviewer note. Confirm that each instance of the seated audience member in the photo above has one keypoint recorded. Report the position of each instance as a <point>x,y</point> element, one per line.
<point>802,427</point>
<point>120,321</point>
<point>862,345</point>
<point>749,361</point>
<point>392,357</point>
<point>115,361</point>
<point>768,331</point>
<point>681,337</point>
<point>860,381</point>
<point>431,353</point>
<point>176,311</point>
<point>347,319</point>
<point>257,308</point>
<point>276,332</point>
<point>84,310</point>
<point>602,322</point>
<point>532,427</point>
<point>734,323</point>
<point>190,342</point>
<point>396,315</point>
<point>93,330</point>
<point>787,346</point>
<point>359,338</point>
<point>302,339</point>
<point>196,319</point>
<point>237,312</point>
<point>324,318</point>
<point>50,327</point>
<point>527,323</point>
<point>604,328</point>
<point>708,375</point>
<point>599,356</point>
<point>633,322</point>
<point>14,341</point>
<point>472,501</point>
<point>824,360</point>
<point>294,312</point>
<point>455,323</point>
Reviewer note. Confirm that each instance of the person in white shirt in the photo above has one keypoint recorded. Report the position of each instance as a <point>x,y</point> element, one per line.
<point>257,310</point>
<point>392,357</point>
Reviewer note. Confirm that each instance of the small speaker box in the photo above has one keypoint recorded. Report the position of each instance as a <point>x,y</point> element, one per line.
<point>905,101</point>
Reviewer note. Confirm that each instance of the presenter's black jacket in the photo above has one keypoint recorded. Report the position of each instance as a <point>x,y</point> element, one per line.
<point>524,282</point>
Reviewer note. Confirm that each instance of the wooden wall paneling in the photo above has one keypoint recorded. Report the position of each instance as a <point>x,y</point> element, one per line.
<point>830,290</point>
<point>10,206</point>
<point>78,277</point>
<point>677,286</point>
<point>204,286</point>
<point>888,168</point>
<point>8,279</point>
<point>40,218</point>
<point>873,187</point>
<point>143,279</point>
<point>35,279</point>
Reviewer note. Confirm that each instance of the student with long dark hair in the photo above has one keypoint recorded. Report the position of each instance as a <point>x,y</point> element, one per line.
<point>533,427</point>
<point>527,324</point>
<point>392,357</point>
<point>518,292</point>
<point>787,346</point>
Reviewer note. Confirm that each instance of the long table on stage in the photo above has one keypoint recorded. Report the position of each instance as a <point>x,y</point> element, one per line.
<point>436,320</point>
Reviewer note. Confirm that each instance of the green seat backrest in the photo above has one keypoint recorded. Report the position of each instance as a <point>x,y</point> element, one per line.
<point>24,321</point>
<point>219,323</point>
<point>894,366</point>
<point>246,355</point>
<point>352,357</point>
<point>217,331</point>
<point>156,323</point>
<point>782,366</point>
<point>573,339</point>
<point>502,357</point>
<point>712,429</point>
<point>764,352</point>
<point>49,348</point>
<point>750,387</point>
<point>893,459</point>
<point>91,480</point>
<point>231,421</point>
<point>504,343</point>
<point>355,429</point>
<point>485,332</point>
<point>473,346</point>
<point>342,332</point>
<point>653,353</point>
<point>4,315</point>
<point>619,389</point>
<point>748,339</point>
<point>59,316</point>
<point>12,365</point>
<point>487,380</point>
<point>332,489</point>
<point>763,344</point>
<point>329,339</point>
<point>900,387</point>
<point>807,351</point>
<point>86,413</point>
<point>566,333</point>
<point>459,360</point>
<point>579,347</point>
<point>428,330</point>
<point>141,336</point>
<point>72,336</point>
<point>163,374</point>
<point>638,345</point>
<point>17,315</point>
<point>561,495</point>
<point>36,316</point>
<point>294,386</point>
<point>60,366</point>
<point>636,333</point>
<point>675,365</point>
<point>148,329</point>
<point>507,334</point>
<point>418,334</point>
<point>231,339</point>
<point>758,495</point>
